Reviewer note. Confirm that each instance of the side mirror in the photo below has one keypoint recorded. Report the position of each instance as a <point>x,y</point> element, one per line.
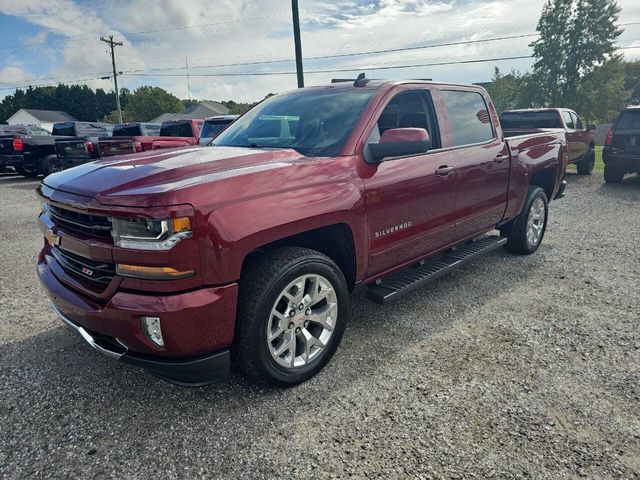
<point>399,142</point>
<point>591,127</point>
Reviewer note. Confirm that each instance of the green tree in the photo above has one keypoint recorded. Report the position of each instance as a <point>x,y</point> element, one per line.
<point>603,92</point>
<point>575,37</point>
<point>632,81</point>
<point>509,91</point>
<point>112,117</point>
<point>146,103</point>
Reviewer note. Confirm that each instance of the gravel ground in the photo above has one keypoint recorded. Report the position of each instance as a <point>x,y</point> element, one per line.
<point>513,367</point>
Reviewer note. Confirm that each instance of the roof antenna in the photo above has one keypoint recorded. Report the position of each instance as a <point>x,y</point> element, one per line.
<point>360,81</point>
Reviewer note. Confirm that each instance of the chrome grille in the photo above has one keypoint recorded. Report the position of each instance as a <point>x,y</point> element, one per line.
<point>100,273</point>
<point>92,225</point>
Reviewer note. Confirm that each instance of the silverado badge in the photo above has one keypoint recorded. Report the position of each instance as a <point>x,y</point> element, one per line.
<point>395,228</point>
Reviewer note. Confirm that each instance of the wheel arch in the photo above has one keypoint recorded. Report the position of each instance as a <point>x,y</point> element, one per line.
<point>335,241</point>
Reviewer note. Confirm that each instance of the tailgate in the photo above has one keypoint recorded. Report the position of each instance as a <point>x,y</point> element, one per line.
<point>73,148</point>
<point>116,146</point>
<point>627,141</point>
<point>6,146</point>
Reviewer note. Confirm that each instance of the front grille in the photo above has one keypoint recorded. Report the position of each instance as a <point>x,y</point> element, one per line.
<point>99,273</point>
<point>92,225</point>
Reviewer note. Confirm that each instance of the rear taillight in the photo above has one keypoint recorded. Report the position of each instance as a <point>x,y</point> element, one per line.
<point>137,146</point>
<point>17,144</point>
<point>609,140</point>
<point>88,147</point>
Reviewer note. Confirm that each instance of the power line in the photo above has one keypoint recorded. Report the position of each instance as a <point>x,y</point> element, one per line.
<point>353,69</point>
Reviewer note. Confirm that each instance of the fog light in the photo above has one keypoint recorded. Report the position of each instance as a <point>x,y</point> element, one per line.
<point>151,328</point>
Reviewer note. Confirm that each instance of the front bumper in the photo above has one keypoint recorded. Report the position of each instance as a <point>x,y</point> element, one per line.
<point>197,327</point>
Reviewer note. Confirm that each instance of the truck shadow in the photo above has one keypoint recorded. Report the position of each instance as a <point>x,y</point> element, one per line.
<point>81,386</point>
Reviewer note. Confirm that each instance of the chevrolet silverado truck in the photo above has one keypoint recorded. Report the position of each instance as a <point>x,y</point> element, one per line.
<point>580,137</point>
<point>179,261</point>
<point>621,152</point>
<point>81,144</point>
<point>29,149</point>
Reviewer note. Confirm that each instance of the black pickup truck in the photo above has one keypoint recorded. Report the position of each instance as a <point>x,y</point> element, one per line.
<point>29,149</point>
<point>80,144</point>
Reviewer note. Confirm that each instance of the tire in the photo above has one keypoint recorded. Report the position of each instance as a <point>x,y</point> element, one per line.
<point>519,230</point>
<point>262,305</point>
<point>29,172</point>
<point>49,165</point>
<point>612,174</point>
<point>585,167</point>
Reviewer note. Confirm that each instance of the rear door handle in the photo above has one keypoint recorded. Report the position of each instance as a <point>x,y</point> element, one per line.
<point>501,158</point>
<point>444,170</point>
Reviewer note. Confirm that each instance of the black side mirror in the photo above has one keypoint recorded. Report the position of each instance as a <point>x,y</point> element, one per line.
<point>399,142</point>
<point>591,127</point>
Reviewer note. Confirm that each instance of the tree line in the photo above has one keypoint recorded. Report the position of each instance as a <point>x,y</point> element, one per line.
<point>576,64</point>
<point>143,104</point>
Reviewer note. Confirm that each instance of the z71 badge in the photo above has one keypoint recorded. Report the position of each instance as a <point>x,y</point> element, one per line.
<point>395,228</point>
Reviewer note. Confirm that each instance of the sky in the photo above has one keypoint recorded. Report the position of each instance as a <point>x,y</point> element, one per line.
<point>47,41</point>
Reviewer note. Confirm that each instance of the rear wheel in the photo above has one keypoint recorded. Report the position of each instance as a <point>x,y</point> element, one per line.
<point>49,164</point>
<point>585,166</point>
<point>613,174</point>
<point>525,233</point>
<point>292,312</point>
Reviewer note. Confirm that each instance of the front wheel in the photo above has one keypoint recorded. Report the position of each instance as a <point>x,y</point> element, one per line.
<point>525,234</point>
<point>292,312</point>
<point>585,167</point>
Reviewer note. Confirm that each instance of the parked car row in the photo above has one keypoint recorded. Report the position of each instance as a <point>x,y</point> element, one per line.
<point>33,151</point>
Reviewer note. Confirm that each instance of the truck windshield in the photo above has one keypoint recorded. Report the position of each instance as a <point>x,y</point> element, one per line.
<point>315,123</point>
<point>530,120</point>
<point>629,120</point>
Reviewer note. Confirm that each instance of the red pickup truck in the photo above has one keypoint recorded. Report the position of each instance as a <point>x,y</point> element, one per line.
<point>178,261</point>
<point>580,137</point>
<point>137,137</point>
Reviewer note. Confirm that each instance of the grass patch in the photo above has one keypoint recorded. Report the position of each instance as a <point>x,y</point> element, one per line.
<point>598,167</point>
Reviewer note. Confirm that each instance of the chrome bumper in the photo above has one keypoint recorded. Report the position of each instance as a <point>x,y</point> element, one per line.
<point>87,337</point>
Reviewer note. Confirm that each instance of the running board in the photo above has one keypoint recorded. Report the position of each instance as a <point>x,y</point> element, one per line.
<point>424,272</point>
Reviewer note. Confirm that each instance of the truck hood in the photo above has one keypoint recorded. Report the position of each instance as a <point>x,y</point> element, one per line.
<point>148,178</point>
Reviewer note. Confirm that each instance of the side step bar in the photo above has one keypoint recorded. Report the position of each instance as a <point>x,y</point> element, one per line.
<point>415,276</point>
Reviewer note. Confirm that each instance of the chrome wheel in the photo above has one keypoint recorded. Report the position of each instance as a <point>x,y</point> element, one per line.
<point>302,321</point>
<point>535,222</point>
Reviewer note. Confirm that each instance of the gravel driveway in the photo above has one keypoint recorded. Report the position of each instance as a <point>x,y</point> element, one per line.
<point>513,367</point>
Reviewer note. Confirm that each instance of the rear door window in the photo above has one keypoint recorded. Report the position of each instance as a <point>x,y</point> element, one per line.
<point>468,116</point>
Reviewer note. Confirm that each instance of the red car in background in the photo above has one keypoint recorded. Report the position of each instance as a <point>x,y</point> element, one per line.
<point>139,137</point>
<point>580,137</point>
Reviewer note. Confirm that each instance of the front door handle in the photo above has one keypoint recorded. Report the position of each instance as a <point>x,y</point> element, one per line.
<point>501,158</point>
<point>444,170</point>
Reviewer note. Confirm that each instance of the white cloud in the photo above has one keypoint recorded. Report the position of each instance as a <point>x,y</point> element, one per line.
<point>329,27</point>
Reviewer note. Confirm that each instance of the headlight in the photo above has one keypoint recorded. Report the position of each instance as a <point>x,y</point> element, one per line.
<point>149,234</point>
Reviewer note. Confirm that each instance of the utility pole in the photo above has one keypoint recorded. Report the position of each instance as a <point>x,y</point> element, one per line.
<point>112,45</point>
<point>298,43</point>
<point>186,62</point>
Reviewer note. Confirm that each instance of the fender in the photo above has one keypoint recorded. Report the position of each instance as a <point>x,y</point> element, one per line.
<point>235,230</point>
